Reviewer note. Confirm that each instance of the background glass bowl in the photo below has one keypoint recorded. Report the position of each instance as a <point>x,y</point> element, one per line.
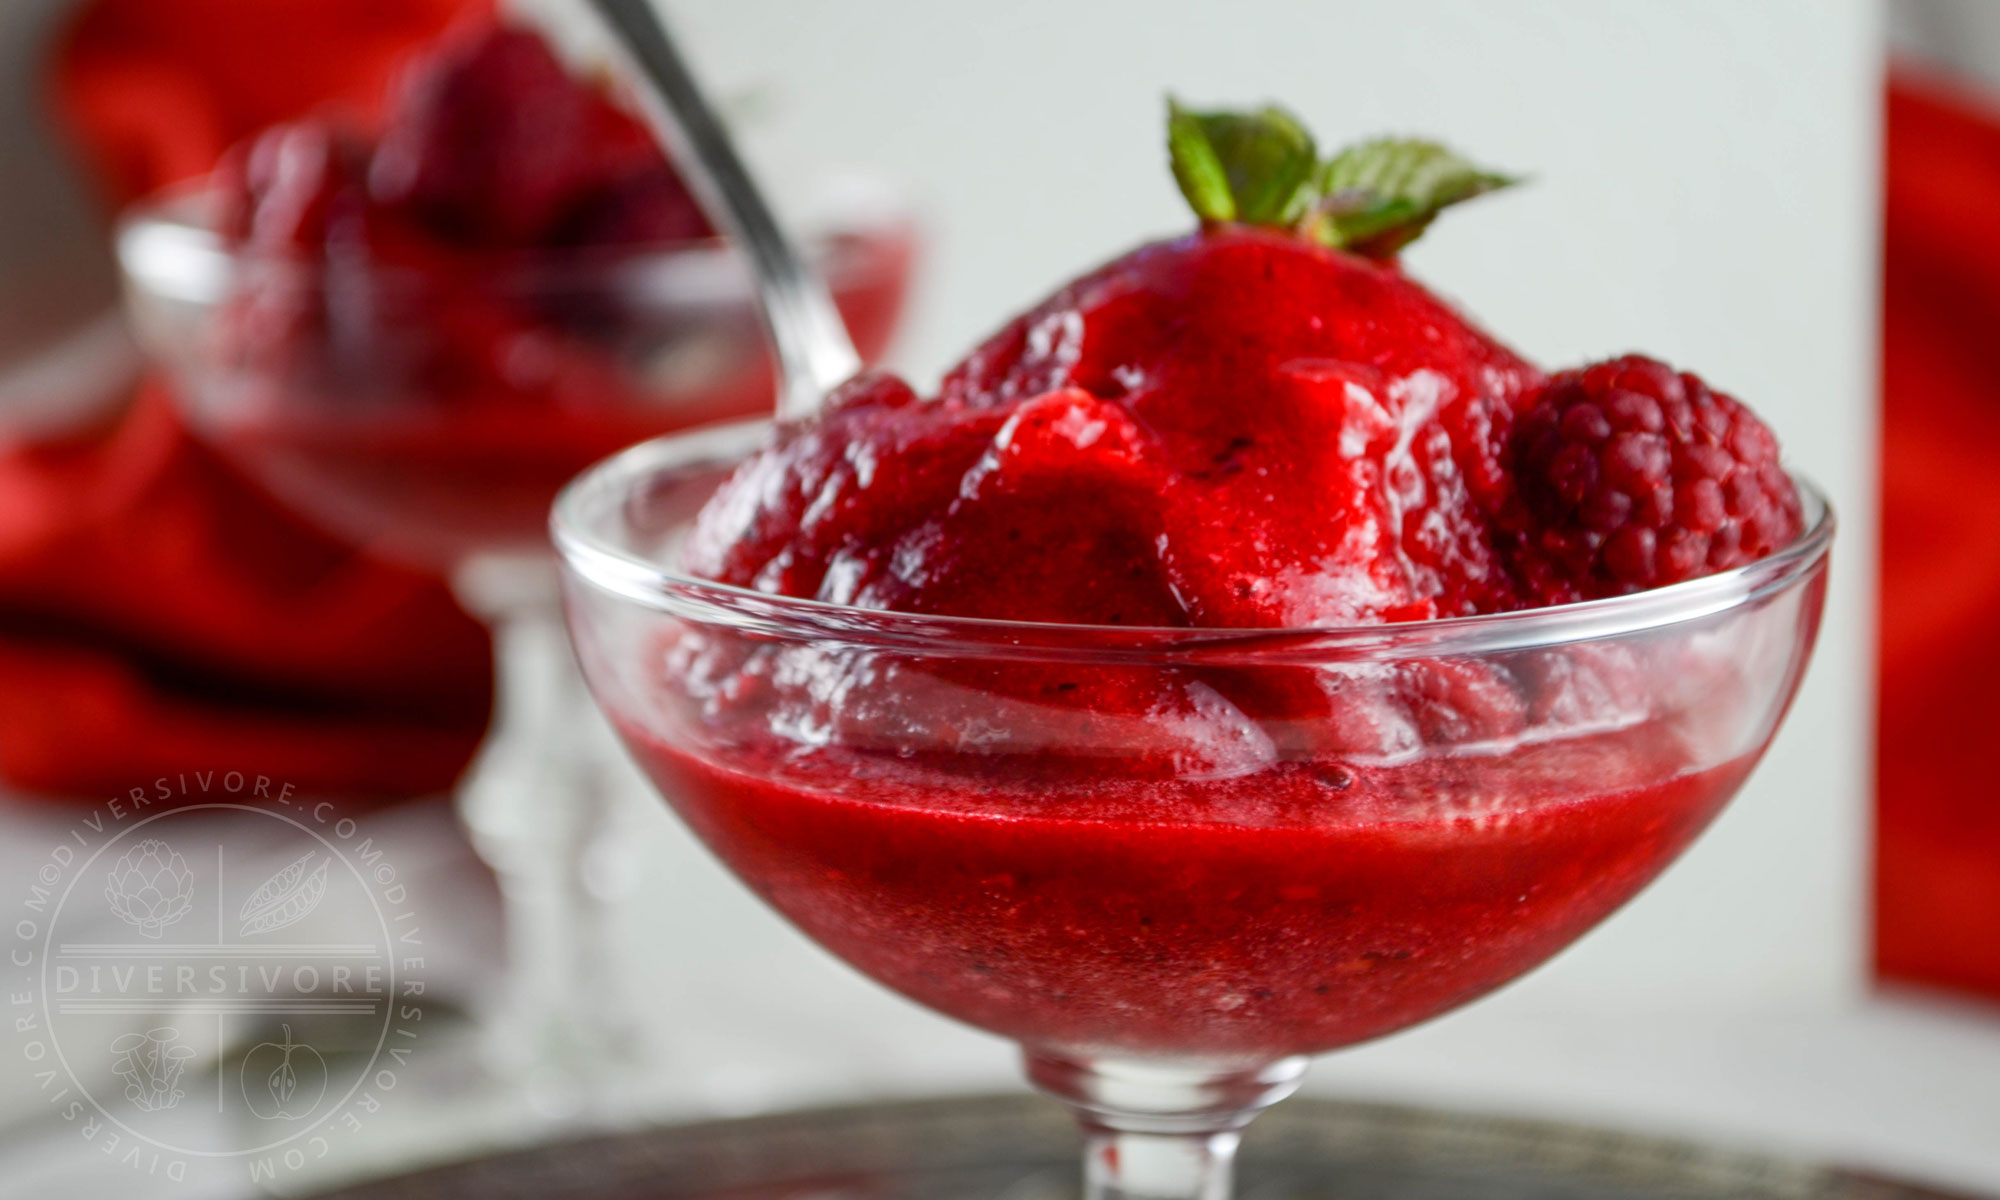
<point>434,414</point>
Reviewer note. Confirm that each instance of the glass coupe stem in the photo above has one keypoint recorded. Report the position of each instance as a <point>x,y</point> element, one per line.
<point>544,815</point>
<point>1161,1131</point>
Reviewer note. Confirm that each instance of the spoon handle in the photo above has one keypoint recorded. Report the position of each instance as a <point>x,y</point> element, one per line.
<point>815,355</point>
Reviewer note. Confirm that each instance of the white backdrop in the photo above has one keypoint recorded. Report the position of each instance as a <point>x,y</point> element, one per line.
<point>1702,189</point>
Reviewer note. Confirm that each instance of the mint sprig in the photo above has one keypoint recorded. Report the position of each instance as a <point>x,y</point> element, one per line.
<point>1261,168</point>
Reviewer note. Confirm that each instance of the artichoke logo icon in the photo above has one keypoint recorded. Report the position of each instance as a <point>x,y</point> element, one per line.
<point>151,887</point>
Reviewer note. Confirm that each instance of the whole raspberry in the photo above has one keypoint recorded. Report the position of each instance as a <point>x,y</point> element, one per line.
<point>490,140</point>
<point>1629,475</point>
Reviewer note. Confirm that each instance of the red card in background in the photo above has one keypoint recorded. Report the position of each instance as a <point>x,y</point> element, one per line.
<point>158,612</point>
<point>1938,812</point>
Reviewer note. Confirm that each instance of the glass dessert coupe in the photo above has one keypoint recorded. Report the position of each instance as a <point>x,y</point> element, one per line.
<point>1072,835</point>
<point>433,415</point>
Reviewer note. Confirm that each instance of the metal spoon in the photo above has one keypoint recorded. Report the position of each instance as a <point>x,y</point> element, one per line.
<point>815,355</point>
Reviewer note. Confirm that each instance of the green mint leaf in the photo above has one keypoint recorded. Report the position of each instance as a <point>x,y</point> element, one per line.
<point>1260,168</point>
<point>1253,167</point>
<point>1197,168</point>
<point>1379,196</point>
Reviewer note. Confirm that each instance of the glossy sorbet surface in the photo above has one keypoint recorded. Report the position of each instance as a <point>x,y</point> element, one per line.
<point>1222,430</point>
<point>1239,428</point>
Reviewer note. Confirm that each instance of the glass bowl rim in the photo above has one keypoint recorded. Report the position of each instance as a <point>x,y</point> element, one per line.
<point>166,244</point>
<point>592,559</point>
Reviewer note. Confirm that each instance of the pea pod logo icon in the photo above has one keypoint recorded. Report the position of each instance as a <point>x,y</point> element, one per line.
<point>286,898</point>
<point>283,1081</point>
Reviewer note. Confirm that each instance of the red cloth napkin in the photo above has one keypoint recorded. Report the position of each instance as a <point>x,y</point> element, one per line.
<point>158,612</point>
<point>1938,817</point>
